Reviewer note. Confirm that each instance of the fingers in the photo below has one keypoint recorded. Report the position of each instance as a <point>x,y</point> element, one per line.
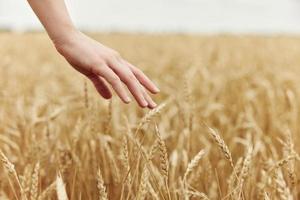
<point>101,87</point>
<point>114,80</point>
<point>151,103</point>
<point>116,71</point>
<point>143,79</point>
<point>130,81</point>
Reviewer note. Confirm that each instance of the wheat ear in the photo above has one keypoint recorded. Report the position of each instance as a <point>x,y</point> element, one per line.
<point>150,115</point>
<point>222,145</point>
<point>164,162</point>
<point>35,182</point>
<point>11,169</point>
<point>194,163</point>
<point>101,187</point>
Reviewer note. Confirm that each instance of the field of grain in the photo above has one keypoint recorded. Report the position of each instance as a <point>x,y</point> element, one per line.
<point>227,124</point>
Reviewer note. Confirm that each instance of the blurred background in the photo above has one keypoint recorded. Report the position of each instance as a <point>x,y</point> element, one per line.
<point>196,16</point>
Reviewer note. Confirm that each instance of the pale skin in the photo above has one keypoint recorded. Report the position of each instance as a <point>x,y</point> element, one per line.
<point>102,65</point>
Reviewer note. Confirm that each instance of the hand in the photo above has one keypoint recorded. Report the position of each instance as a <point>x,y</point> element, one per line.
<point>103,66</point>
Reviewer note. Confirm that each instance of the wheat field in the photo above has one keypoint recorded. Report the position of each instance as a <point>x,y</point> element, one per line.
<point>227,124</point>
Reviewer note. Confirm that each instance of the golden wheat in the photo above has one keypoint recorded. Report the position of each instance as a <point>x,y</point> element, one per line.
<point>246,88</point>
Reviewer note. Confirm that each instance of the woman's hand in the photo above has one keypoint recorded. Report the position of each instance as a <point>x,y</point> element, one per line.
<point>100,64</point>
<point>103,66</point>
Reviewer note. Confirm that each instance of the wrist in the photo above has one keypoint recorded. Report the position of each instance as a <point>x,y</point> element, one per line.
<point>65,36</point>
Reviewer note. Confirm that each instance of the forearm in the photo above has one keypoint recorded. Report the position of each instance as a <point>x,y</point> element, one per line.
<point>54,16</point>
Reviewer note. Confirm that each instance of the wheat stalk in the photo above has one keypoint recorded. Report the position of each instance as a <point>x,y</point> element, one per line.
<point>112,162</point>
<point>142,191</point>
<point>153,193</point>
<point>232,191</point>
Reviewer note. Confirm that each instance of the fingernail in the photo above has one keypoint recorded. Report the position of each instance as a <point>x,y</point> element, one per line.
<point>144,103</point>
<point>127,99</point>
<point>154,104</point>
<point>156,89</point>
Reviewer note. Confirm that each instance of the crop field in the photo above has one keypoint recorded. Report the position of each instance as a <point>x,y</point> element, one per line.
<point>227,125</point>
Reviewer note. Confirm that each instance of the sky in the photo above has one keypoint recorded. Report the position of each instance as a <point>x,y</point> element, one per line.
<point>204,16</point>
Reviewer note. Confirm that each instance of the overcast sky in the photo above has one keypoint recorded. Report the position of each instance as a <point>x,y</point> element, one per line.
<point>261,16</point>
